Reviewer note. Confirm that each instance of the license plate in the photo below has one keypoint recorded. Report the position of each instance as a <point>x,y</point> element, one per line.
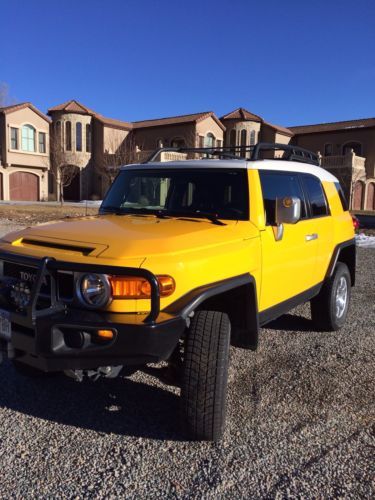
<point>5,325</point>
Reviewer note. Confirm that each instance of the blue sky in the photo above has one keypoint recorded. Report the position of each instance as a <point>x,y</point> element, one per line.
<point>292,62</point>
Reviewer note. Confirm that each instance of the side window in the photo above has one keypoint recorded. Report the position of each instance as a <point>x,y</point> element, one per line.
<point>279,185</point>
<point>314,190</point>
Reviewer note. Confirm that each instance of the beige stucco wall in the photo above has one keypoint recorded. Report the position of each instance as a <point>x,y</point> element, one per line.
<point>24,161</point>
<point>74,157</point>
<point>238,126</point>
<point>113,138</point>
<point>366,136</point>
<point>147,138</point>
<point>210,126</point>
<point>18,157</point>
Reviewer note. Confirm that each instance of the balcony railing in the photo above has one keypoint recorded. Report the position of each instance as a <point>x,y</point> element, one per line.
<point>350,161</point>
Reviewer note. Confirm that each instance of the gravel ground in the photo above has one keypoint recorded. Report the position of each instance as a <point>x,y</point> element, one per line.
<point>300,422</point>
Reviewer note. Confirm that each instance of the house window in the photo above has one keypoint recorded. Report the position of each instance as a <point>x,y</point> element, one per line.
<point>14,138</point>
<point>252,138</point>
<point>42,142</point>
<point>355,146</point>
<point>28,138</point>
<point>209,141</point>
<point>243,137</point>
<point>88,138</point>
<point>328,150</point>
<point>177,142</point>
<point>78,136</point>
<point>159,143</point>
<point>232,139</point>
<point>68,136</point>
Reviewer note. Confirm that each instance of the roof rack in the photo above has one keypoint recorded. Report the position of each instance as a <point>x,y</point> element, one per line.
<point>291,152</point>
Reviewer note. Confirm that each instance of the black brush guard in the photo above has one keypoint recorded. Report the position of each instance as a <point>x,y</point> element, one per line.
<point>49,266</point>
<point>37,334</point>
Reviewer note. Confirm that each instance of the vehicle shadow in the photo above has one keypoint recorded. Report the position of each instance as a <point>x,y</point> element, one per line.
<point>291,322</point>
<point>120,406</point>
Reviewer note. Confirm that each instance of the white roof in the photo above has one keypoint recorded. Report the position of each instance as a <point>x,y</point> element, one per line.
<point>277,165</point>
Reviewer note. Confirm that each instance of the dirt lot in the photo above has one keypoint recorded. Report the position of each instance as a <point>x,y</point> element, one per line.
<point>301,422</point>
<point>32,214</point>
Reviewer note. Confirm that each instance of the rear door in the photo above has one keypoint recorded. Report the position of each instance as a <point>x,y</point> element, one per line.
<point>288,265</point>
<point>321,223</point>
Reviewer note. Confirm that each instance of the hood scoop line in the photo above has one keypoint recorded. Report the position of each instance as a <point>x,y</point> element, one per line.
<point>58,246</point>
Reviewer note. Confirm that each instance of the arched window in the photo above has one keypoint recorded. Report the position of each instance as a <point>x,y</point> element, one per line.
<point>88,138</point>
<point>232,139</point>
<point>58,130</point>
<point>68,136</point>
<point>28,138</point>
<point>78,136</point>
<point>209,141</point>
<point>159,143</point>
<point>252,138</point>
<point>357,195</point>
<point>243,137</point>
<point>355,146</point>
<point>370,203</point>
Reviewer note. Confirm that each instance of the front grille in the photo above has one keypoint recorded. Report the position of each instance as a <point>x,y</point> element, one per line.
<point>65,281</point>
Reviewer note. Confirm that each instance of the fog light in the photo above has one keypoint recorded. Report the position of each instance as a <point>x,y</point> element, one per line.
<point>105,334</point>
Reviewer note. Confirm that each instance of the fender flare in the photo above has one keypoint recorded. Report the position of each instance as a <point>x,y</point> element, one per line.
<point>188,303</point>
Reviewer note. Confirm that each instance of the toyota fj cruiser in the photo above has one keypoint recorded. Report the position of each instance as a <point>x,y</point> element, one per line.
<point>183,259</point>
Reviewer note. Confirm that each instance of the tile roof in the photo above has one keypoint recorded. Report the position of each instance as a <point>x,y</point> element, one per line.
<point>279,129</point>
<point>111,122</point>
<point>23,105</point>
<point>333,126</point>
<point>176,120</point>
<point>72,106</point>
<point>242,114</point>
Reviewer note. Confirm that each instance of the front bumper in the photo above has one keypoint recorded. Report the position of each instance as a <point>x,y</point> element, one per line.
<point>57,337</point>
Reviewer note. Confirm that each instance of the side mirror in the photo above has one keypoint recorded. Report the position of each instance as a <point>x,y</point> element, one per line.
<point>288,211</point>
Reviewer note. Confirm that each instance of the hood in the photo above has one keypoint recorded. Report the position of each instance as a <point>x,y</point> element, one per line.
<point>126,236</point>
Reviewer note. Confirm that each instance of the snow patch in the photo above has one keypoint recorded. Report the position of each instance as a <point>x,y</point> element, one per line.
<point>362,240</point>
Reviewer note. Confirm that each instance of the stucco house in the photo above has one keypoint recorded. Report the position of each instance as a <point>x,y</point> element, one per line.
<point>94,146</point>
<point>24,153</point>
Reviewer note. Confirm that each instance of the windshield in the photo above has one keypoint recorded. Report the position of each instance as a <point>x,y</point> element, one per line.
<point>190,192</point>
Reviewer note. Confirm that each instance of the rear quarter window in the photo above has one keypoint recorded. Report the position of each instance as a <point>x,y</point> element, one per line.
<point>315,194</point>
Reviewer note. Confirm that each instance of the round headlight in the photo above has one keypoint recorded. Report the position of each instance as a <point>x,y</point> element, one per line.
<point>93,290</point>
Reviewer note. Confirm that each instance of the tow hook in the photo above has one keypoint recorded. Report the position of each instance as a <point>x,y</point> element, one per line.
<point>102,371</point>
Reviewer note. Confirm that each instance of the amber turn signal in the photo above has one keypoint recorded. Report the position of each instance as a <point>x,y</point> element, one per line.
<point>105,334</point>
<point>129,287</point>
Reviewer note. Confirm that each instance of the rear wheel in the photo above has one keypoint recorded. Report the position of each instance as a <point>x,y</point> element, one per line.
<point>205,375</point>
<point>329,309</point>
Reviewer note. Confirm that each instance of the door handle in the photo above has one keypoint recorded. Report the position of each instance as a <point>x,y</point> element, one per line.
<point>310,237</point>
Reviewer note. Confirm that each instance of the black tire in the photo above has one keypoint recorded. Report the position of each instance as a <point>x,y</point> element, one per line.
<point>27,370</point>
<point>205,375</point>
<point>324,312</point>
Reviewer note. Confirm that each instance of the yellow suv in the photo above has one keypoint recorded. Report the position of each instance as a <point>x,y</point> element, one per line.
<point>183,259</point>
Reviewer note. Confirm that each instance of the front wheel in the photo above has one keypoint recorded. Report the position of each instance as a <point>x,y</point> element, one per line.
<point>329,309</point>
<point>205,375</point>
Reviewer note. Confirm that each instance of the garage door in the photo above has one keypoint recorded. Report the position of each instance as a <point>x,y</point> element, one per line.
<point>23,186</point>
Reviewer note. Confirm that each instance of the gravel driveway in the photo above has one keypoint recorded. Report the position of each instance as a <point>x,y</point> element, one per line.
<point>300,422</point>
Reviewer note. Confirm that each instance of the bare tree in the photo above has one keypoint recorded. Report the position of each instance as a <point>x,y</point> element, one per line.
<point>5,99</point>
<point>118,151</point>
<point>63,164</point>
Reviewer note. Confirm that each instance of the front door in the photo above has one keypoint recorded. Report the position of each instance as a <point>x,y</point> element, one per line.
<point>288,265</point>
